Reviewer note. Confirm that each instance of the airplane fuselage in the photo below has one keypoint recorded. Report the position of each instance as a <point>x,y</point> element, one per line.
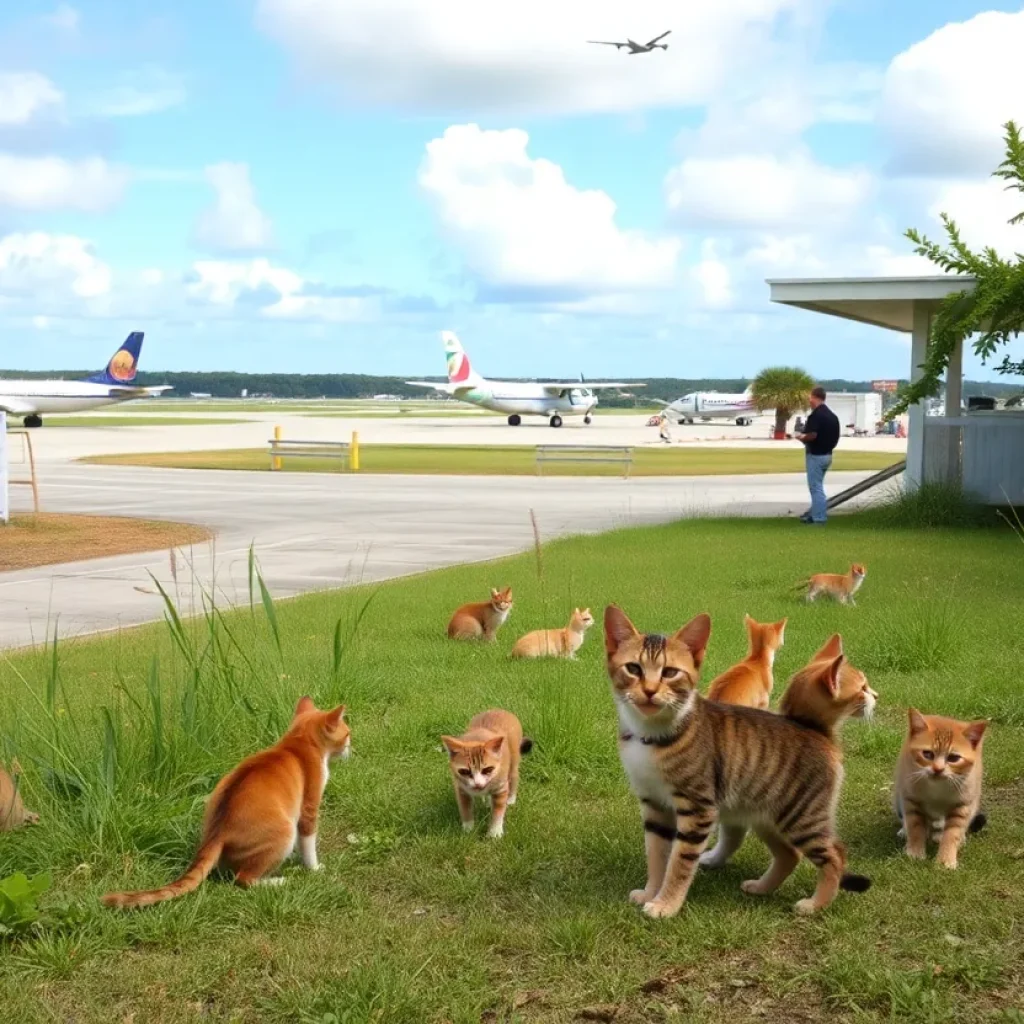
<point>38,397</point>
<point>517,398</point>
<point>711,405</point>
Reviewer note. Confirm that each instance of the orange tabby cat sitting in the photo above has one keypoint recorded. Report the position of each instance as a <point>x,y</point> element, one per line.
<point>938,784</point>
<point>839,586</point>
<point>556,643</point>
<point>484,761</point>
<point>750,682</point>
<point>13,813</point>
<point>483,619</point>
<point>260,811</point>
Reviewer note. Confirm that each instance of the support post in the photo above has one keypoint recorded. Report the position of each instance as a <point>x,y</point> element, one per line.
<point>275,462</point>
<point>922,321</point>
<point>5,504</point>
<point>954,394</point>
<point>353,452</point>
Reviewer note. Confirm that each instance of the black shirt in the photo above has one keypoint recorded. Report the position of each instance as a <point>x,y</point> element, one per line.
<point>823,422</point>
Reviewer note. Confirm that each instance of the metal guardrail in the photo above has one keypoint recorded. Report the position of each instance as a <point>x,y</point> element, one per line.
<point>287,449</point>
<point>584,453</point>
<point>864,485</point>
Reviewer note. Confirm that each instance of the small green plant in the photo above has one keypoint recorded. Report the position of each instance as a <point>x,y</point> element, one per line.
<point>930,506</point>
<point>20,914</point>
<point>928,635</point>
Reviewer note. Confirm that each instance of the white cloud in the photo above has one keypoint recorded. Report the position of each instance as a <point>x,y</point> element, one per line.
<point>234,223</point>
<point>982,210</point>
<point>531,56</point>
<point>24,95</point>
<point>65,18</point>
<point>141,92</point>
<point>764,192</point>
<point>714,278</point>
<point>521,227</point>
<point>51,183</point>
<point>946,98</point>
<point>51,268</point>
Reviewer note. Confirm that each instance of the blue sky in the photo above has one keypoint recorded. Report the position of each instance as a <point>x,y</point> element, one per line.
<point>323,185</point>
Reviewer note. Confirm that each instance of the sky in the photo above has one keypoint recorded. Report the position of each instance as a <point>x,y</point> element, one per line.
<point>314,186</point>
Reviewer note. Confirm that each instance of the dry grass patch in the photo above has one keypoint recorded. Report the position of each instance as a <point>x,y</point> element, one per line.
<point>48,538</point>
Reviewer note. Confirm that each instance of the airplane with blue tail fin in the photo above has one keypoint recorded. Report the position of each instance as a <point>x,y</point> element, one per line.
<point>30,399</point>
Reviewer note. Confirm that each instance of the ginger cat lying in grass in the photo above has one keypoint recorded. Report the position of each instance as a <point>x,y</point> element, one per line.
<point>13,813</point>
<point>556,643</point>
<point>484,761</point>
<point>938,784</point>
<point>750,682</point>
<point>841,587</point>
<point>258,813</point>
<point>483,619</point>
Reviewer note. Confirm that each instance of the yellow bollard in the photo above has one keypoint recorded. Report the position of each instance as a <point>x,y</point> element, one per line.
<point>275,462</point>
<point>353,452</point>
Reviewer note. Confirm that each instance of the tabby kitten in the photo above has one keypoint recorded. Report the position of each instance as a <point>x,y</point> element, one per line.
<point>692,761</point>
<point>750,682</point>
<point>484,761</point>
<point>483,619</point>
<point>840,586</point>
<point>556,643</point>
<point>938,784</point>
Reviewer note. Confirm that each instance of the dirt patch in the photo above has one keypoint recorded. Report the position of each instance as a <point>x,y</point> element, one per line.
<point>49,538</point>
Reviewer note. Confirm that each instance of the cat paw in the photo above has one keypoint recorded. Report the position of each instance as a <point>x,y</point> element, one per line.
<point>511,799</point>
<point>315,867</point>
<point>916,852</point>
<point>711,859</point>
<point>947,861</point>
<point>753,887</point>
<point>274,881</point>
<point>656,909</point>
<point>640,896</point>
<point>468,826</point>
<point>31,818</point>
<point>805,907</point>
<point>901,834</point>
<point>495,833</point>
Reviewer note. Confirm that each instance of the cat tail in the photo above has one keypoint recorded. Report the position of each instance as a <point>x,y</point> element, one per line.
<point>851,882</point>
<point>978,822</point>
<point>526,746</point>
<point>205,861</point>
<point>802,585</point>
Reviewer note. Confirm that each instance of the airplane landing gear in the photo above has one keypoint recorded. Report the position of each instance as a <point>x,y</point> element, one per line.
<point>514,420</point>
<point>686,420</point>
<point>556,420</point>
<point>588,419</point>
<point>743,421</point>
<point>33,421</point>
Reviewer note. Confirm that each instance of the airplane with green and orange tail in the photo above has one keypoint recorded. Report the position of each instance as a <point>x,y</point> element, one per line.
<point>553,399</point>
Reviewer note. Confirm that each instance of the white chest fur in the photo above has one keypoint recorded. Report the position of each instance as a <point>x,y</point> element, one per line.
<point>640,763</point>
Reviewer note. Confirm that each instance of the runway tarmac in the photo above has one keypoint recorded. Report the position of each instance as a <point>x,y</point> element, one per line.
<point>316,531</point>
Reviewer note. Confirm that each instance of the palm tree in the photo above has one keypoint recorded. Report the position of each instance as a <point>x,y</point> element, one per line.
<point>785,389</point>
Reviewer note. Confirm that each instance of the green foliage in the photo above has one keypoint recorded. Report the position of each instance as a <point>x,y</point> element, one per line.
<point>930,506</point>
<point>785,389</point>
<point>993,309</point>
<point>20,913</point>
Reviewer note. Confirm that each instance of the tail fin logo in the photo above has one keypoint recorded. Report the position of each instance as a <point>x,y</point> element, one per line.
<point>122,367</point>
<point>458,367</point>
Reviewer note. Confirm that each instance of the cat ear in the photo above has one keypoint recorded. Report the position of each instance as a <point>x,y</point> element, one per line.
<point>494,746</point>
<point>695,634</point>
<point>974,732</point>
<point>335,716</point>
<point>780,626</point>
<point>617,628</point>
<point>305,704</point>
<point>832,649</point>
<point>748,621</point>
<point>495,593</point>
<point>830,675</point>
<point>917,722</point>
<point>453,745</point>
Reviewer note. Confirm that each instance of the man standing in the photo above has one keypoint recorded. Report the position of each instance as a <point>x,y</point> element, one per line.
<point>820,436</point>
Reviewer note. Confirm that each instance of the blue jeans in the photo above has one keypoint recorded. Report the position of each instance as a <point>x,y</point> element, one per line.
<point>817,467</point>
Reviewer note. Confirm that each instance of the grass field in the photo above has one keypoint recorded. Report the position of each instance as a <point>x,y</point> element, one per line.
<point>412,921</point>
<point>137,420</point>
<point>50,538</point>
<point>502,461</point>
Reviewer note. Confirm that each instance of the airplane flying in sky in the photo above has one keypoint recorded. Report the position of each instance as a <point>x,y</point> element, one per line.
<point>654,44</point>
<point>714,405</point>
<point>31,398</point>
<point>553,399</point>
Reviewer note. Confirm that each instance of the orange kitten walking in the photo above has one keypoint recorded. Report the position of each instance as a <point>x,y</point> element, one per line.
<point>12,811</point>
<point>556,643</point>
<point>260,811</point>
<point>484,761</point>
<point>473,621</point>
<point>750,682</point>
<point>836,585</point>
<point>938,784</point>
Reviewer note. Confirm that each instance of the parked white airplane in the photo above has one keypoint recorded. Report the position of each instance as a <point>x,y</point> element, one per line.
<point>553,399</point>
<point>655,44</point>
<point>714,405</point>
<point>32,398</point>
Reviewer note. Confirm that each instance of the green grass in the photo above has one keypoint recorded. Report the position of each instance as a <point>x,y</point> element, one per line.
<point>411,921</point>
<point>497,460</point>
<point>137,420</point>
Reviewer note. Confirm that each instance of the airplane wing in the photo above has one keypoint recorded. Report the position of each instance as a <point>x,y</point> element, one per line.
<point>603,42</point>
<point>658,39</point>
<point>447,389</point>
<point>130,392</point>
<point>553,387</point>
<point>15,406</point>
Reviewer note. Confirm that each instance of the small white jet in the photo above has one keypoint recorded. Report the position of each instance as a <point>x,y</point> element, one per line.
<point>654,44</point>
<point>714,405</point>
<point>31,398</point>
<point>517,399</point>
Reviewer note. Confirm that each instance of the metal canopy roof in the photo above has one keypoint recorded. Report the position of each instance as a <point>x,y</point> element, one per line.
<point>880,301</point>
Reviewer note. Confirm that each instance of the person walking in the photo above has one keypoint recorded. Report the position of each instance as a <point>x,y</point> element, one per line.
<point>820,437</point>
